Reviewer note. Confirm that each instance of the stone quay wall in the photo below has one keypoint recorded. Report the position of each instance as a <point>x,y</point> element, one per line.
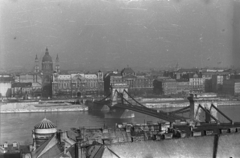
<point>36,107</point>
<point>185,104</point>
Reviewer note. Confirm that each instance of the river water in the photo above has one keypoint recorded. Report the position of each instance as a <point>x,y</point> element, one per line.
<point>18,127</point>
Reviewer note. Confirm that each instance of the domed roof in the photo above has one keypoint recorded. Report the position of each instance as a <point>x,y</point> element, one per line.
<point>47,57</point>
<point>45,124</point>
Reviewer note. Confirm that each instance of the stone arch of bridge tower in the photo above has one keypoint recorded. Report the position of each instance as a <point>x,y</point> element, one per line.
<point>119,89</point>
<point>197,114</point>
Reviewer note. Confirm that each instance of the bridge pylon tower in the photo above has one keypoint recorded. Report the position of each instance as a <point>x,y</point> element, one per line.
<point>202,111</point>
<point>119,92</point>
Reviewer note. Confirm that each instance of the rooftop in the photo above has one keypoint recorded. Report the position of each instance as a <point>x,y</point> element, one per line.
<point>127,70</point>
<point>21,84</point>
<point>6,78</point>
<point>193,70</point>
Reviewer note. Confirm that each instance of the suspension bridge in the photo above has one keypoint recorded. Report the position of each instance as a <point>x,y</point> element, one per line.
<point>120,101</point>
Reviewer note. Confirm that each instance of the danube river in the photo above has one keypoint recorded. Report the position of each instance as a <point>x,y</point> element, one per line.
<point>18,127</point>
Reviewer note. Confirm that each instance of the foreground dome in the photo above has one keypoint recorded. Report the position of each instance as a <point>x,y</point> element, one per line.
<point>45,127</point>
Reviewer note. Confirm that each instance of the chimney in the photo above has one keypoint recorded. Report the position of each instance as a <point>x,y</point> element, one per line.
<point>5,145</point>
<point>58,135</point>
<point>64,147</point>
<point>15,144</point>
<point>80,151</point>
<point>31,148</point>
<point>63,135</point>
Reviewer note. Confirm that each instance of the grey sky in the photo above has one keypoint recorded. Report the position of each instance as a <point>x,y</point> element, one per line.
<point>111,34</point>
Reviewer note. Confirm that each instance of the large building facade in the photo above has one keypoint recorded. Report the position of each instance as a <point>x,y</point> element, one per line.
<point>231,86</point>
<point>77,84</point>
<point>196,83</point>
<point>169,86</point>
<point>137,84</point>
<point>5,85</point>
<point>25,79</point>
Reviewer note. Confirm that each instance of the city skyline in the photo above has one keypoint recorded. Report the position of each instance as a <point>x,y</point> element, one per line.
<point>111,35</point>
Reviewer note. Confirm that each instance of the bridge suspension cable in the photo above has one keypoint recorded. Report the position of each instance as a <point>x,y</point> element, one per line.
<point>143,109</point>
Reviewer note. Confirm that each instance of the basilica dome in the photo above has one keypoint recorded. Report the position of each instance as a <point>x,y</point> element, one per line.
<point>47,57</point>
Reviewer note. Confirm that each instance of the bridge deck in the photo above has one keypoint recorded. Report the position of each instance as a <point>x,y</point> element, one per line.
<point>151,112</point>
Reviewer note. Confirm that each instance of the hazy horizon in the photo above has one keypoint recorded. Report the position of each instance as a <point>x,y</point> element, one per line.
<point>111,34</point>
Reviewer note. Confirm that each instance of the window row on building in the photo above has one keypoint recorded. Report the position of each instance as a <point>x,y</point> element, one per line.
<point>74,84</point>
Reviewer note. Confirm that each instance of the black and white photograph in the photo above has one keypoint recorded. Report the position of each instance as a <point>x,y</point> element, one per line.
<point>119,78</point>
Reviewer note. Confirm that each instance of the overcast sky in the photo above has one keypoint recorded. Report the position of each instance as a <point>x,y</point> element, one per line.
<point>111,34</point>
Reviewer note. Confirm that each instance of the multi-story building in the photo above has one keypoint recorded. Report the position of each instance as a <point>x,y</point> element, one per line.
<point>183,86</point>
<point>143,82</point>
<point>137,83</point>
<point>208,73</point>
<point>217,82</point>
<point>77,84</point>
<point>210,79</point>
<point>169,86</point>
<point>5,85</point>
<point>94,83</point>
<point>61,85</point>
<point>196,83</point>
<point>21,90</point>
<point>28,77</point>
<point>231,86</point>
<point>158,86</point>
<point>129,76</point>
<point>200,79</point>
<point>116,78</point>
<point>34,78</point>
<point>208,85</point>
<point>185,73</point>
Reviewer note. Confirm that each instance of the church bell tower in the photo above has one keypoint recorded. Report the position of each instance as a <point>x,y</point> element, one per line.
<point>57,66</point>
<point>36,67</point>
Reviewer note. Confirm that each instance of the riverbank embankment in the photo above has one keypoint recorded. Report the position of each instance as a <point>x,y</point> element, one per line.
<point>62,105</point>
<point>36,107</point>
<point>179,103</point>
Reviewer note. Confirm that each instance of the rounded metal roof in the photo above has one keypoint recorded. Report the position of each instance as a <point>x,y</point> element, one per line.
<point>47,57</point>
<point>45,124</point>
